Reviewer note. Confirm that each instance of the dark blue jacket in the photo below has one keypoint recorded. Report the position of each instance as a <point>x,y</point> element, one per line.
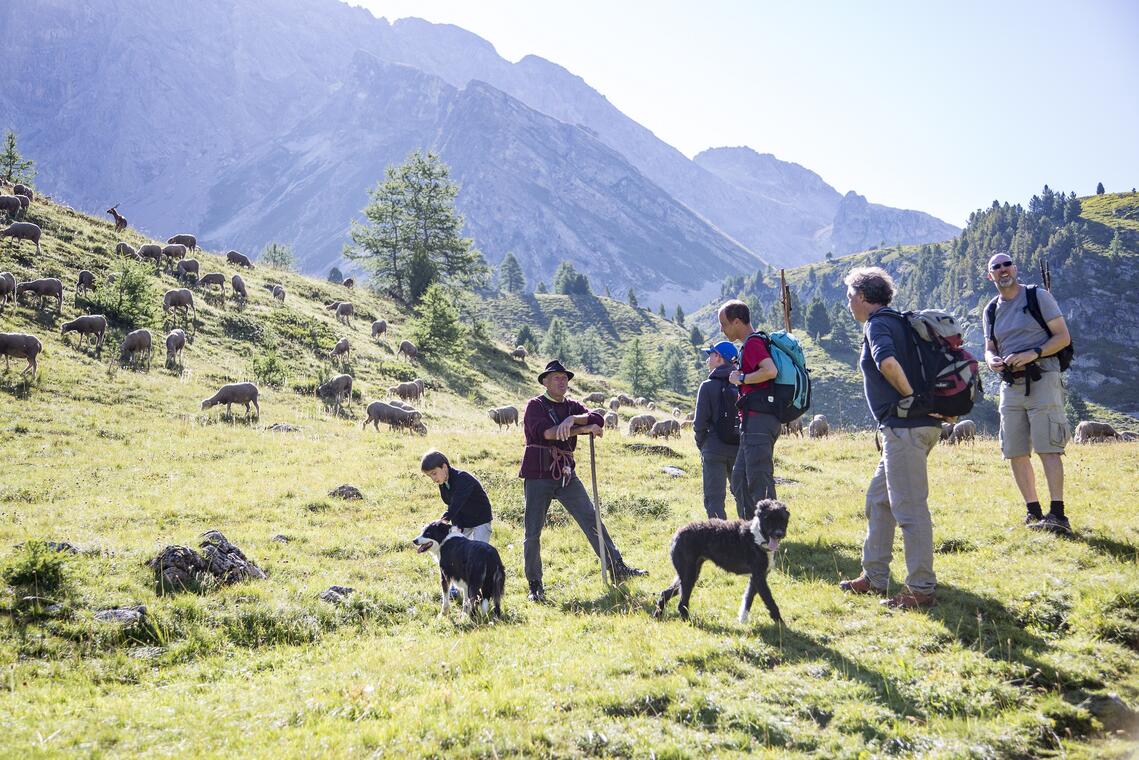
<point>466,500</point>
<point>707,405</point>
<point>887,336</point>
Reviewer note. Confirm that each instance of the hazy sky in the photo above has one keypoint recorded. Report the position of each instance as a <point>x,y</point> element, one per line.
<point>939,106</point>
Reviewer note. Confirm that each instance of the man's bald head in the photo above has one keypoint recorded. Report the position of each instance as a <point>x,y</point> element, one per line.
<point>999,257</point>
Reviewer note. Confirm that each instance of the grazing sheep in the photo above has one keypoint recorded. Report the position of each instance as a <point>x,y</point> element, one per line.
<point>126,249</point>
<point>687,424</point>
<point>175,342</point>
<point>173,252</point>
<point>597,397</point>
<point>279,293</point>
<point>213,278</point>
<point>235,393</point>
<point>642,423</point>
<point>86,282</point>
<point>339,388</point>
<point>152,252</point>
<point>21,346</point>
<point>344,312</point>
<point>665,429</point>
<point>24,190</point>
<point>1095,432</point>
<point>22,231</point>
<point>641,401</point>
<point>397,417</point>
<point>10,204</point>
<point>614,404</point>
<point>341,349</point>
<point>612,420</point>
<point>965,430</point>
<point>94,325</point>
<point>185,239</point>
<point>25,201</point>
<point>238,285</point>
<point>676,411</point>
<point>1129,435</point>
<point>818,428</point>
<point>412,391</point>
<point>349,282</point>
<point>422,386</point>
<point>690,417</point>
<point>651,406</point>
<point>7,287</point>
<point>504,415</point>
<point>794,427</point>
<point>120,220</point>
<point>626,400</point>
<point>47,287</point>
<point>187,267</point>
<point>946,431</point>
<point>408,349</point>
<point>137,345</point>
<point>379,327</point>
<point>402,405</point>
<point>520,353</point>
<point>239,259</point>
<point>179,298</point>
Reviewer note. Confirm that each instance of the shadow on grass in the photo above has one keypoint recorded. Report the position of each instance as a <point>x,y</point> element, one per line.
<point>617,600</point>
<point>1104,544</point>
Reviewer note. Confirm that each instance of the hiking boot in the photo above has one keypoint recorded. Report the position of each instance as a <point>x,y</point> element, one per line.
<point>623,572</point>
<point>909,599</point>
<point>537,592</point>
<point>454,594</point>
<point>1054,524</point>
<point>861,585</point>
<point>1030,520</point>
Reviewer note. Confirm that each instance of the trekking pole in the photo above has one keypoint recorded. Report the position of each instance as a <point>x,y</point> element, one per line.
<point>597,508</point>
<point>785,297</point>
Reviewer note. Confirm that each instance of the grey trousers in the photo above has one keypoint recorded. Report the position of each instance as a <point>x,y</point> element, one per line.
<point>899,495</point>
<point>539,492</point>
<point>717,469</point>
<point>478,532</point>
<point>753,476</point>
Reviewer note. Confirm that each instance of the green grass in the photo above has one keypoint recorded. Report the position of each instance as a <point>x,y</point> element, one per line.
<point>122,463</point>
<point>1112,210</point>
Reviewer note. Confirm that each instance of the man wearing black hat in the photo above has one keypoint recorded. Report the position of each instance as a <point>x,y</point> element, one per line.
<point>551,425</point>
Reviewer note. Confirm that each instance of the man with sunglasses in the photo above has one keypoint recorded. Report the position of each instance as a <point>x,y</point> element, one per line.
<point>1022,352</point>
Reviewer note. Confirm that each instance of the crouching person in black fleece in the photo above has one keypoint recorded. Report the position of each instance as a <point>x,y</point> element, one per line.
<point>468,507</point>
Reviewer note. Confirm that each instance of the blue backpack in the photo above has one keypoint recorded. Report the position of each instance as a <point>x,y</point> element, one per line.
<point>791,395</point>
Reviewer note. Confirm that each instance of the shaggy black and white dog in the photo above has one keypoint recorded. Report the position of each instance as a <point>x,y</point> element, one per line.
<point>473,567</point>
<point>738,546</point>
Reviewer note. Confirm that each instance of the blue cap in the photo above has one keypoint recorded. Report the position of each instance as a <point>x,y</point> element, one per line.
<point>724,348</point>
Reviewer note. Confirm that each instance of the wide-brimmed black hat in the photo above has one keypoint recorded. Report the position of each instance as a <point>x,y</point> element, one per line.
<point>554,366</point>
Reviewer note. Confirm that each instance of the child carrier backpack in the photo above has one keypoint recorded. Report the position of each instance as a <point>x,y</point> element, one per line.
<point>790,395</point>
<point>950,379</point>
<point>1064,355</point>
<point>726,422</point>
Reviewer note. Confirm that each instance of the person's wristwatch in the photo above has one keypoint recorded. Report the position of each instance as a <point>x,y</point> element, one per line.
<point>1039,352</point>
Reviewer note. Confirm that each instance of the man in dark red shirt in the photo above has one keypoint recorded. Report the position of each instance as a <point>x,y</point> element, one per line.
<point>551,424</point>
<point>753,476</point>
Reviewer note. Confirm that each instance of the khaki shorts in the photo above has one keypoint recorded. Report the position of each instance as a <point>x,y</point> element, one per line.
<point>1035,422</point>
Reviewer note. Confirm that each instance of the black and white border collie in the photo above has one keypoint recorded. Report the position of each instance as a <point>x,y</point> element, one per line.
<point>473,567</point>
<point>738,546</point>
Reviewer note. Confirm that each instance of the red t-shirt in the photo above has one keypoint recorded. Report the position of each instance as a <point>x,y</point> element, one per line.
<point>754,352</point>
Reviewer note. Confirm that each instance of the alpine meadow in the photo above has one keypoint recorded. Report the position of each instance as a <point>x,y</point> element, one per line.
<point>285,287</point>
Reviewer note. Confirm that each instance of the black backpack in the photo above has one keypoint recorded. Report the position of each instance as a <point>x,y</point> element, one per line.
<point>1064,355</point>
<point>725,420</point>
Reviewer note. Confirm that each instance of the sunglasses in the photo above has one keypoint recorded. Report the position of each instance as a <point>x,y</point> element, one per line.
<point>1001,265</point>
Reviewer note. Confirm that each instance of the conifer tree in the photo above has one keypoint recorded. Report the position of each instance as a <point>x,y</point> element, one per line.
<point>695,337</point>
<point>14,168</point>
<point>679,317</point>
<point>278,256</point>
<point>1099,189</point>
<point>335,276</point>
<point>437,326</point>
<point>635,368</point>
<point>556,344</point>
<point>632,298</point>
<point>510,277</point>
<point>818,321</point>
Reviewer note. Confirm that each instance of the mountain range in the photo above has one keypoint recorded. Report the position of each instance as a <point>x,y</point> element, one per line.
<point>249,123</point>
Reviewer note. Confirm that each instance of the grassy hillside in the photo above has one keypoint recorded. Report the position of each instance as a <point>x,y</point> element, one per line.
<point>121,463</point>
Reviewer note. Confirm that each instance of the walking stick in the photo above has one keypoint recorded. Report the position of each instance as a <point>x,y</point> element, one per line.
<point>597,508</point>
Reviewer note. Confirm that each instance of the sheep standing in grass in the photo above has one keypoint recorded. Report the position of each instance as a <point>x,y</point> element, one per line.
<point>24,203</point>
<point>379,327</point>
<point>126,249</point>
<point>279,293</point>
<point>239,259</point>
<point>151,252</point>
<point>1095,432</point>
<point>185,239</point>
<point>175,342</point>
<point>186,268</point>
<point>397,417</point>
<point>10,204</point>
<point>965,430</point>
<point>642,423</point>
<point>520,354</point>
<point>179,298</point>
<point>94,325</point>
<point>21,346</point>
<point>7,287</point>
<point>349,283</point>
<point>339,388</point>
<point>626,400</point>
<point>238,285</point>
<point>614,404</point>
<point>22,189</point>
<point>946,432</point>
<point>136,347</point>
<point>46,287</point>
<point>818,427</point>
<point>341,349</point>
<point>235,393</point>
<point>344,311</point>
<point>213,278</point>
<point>794,427</point>
<point>408,349</point>
<point>611,420</point>
<point>504,416</point>
<point>422,387</point>
<point>408,391</point>
<point>665,429</point>
<point>597,397</point>
<point>173,252</point>
<point>21,231</point>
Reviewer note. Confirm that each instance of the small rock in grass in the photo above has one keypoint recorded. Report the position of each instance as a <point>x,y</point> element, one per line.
<point>336,594</point>
<point>672,472</point>
<point>346,492</point>
<point>122,615</point>
<point>1112,712</point>
<point>280,538</point>
<point>283,427</point>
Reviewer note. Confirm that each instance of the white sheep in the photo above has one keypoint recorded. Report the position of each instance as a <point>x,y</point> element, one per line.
<point>339,388</point>
<point>408,349</point>
<point>185,239</point>
<point>341,349</point>
<point>965,430</point>
<point>46,287</point>
<point>94,325</point>
<point>818,427</point>
<point>150,252</point>
<point>235,393</point>
<point>175,342</point>
<point>597,397</point>
<point>179,298</point>
<point>238,285</point>
<point>126,249</point>
<point>642,423</point>
<point>86,282</point>
<point>504,415</point>
<point>379,327</point>
<point>173,252</point>
<point>7,287</point>
<point>136,345</point>
<point>409,390</point>
<point>279,292</point>
<point>397,417</point>
<point>187,267</point>
<point>238,259</point>
<point>21,231</point>
<point>21,346</point>
<point>344,311</point>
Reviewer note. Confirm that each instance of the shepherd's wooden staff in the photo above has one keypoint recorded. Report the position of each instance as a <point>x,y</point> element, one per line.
<point>605,580</point>
<point>785,295</point>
